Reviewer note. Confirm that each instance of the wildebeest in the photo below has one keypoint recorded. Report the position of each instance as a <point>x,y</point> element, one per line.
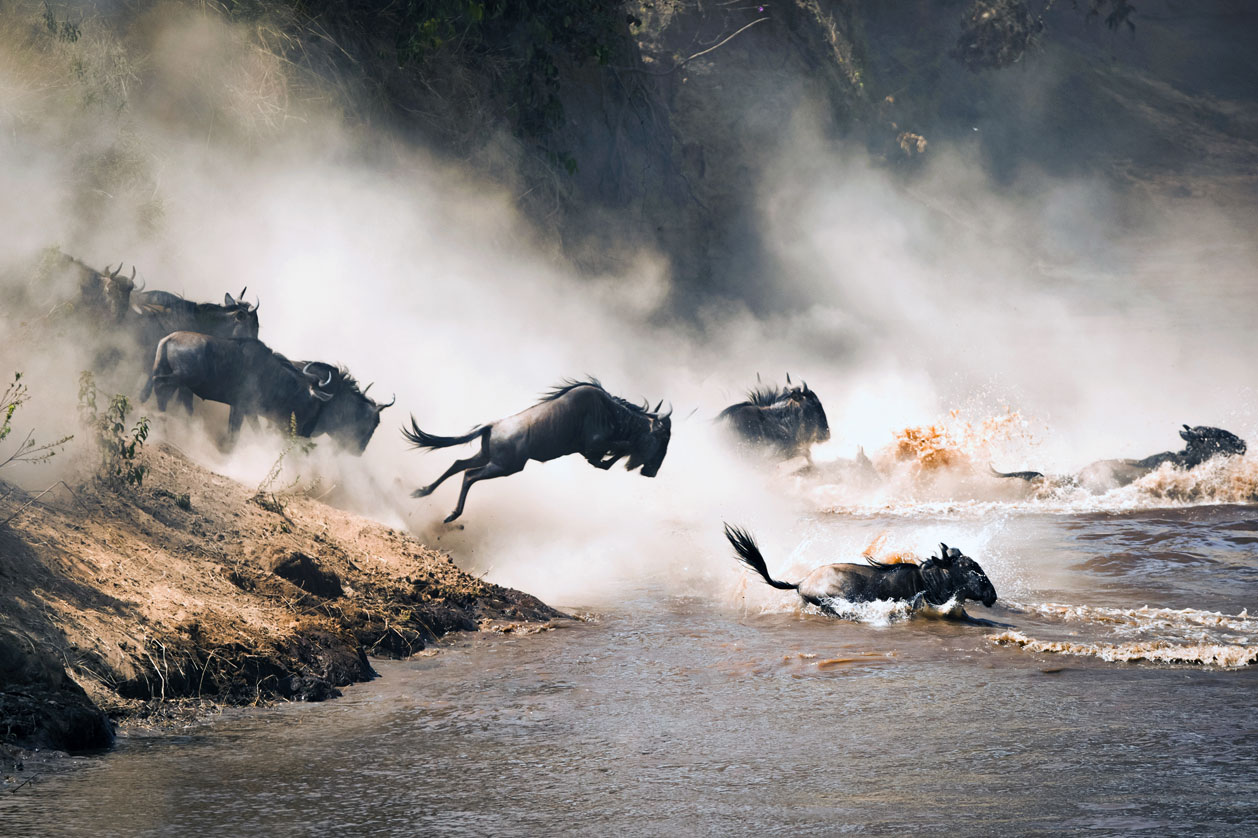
<point>786,422</point>
<point>577,417</point>
<point>255,381</point>
<point>103,294</point>
<point>938,580</point>
<point>1204,443</point>
<point>159,313</point>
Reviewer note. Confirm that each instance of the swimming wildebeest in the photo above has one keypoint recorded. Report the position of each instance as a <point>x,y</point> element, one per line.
<point>948,576</point>
<point>786,422</point>
<point>256,381</point>
<point>1204,443</point>
<point>578,417</point>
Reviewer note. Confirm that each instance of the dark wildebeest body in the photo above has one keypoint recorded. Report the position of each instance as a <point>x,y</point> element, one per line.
<point>256,381</point>
<point>104,295</point>
<point>1204,443</point>
<point>785,422</point>
<point>938,580</point>
<point>157,314</point>
<point>579,417</point>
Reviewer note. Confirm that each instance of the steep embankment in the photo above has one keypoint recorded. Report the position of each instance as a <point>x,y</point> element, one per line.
<point>190,588</point>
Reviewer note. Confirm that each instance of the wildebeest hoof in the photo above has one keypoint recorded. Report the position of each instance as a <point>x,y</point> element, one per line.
<point>451,517</point>
<point>420,493</point>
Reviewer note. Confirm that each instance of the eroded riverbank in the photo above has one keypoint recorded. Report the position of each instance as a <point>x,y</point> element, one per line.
<point>187,593</point>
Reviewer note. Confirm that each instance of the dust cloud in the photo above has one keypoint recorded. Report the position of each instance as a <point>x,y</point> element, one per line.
<point>192,153</point>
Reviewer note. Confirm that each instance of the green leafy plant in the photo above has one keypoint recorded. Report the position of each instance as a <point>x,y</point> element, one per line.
<point>28,450</point>
<point>119,448</point>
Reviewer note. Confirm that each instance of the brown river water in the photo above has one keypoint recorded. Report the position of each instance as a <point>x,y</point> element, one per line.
<point>1119,701</point>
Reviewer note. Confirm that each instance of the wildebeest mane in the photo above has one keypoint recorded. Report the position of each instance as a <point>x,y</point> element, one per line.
<point>569,384</point>
<point>764,396</point>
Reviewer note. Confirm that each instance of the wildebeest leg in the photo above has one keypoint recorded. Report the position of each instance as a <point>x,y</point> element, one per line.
<point>484,473</point>
<point>597,460</point>
<point>455,468</point>
<point>234,420</point>
<point>185,398</point>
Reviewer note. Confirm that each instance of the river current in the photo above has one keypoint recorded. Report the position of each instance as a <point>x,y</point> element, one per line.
<point>1117,698</point>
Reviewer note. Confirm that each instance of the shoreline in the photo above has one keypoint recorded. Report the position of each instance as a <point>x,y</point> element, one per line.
<point>166,602</point>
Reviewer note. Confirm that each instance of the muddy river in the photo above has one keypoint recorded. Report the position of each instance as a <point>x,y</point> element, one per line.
<point>1118,700</point>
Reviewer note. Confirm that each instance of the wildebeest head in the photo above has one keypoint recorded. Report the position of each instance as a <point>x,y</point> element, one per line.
<point>243,316</point>
<point>1205,442</point>
<point>952,574</point>
<point>651,446</point>
<point>813,425</point>
<point>349,416</point>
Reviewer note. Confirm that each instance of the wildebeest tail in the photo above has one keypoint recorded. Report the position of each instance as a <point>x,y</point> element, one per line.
<point>1021,475</point>
<point>424,440</point>
<point>749,554</point>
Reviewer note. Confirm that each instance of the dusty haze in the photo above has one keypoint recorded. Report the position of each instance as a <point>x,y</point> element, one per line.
<point>1106,319</point>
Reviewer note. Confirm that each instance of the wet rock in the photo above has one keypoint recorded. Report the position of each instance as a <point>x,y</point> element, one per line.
<point>41,706</point>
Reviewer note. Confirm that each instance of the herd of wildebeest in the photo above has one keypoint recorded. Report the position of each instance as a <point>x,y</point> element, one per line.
<point>212,351</point>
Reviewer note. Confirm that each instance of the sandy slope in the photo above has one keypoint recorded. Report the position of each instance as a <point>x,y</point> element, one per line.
<point>124,599</point>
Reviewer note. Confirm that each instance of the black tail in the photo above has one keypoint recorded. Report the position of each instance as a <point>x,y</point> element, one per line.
<point>422,440</point>
<point>749,554</point>
<point>1021,475</point>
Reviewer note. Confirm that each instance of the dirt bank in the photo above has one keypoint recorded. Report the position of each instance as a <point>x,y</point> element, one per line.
<point>123,602</point>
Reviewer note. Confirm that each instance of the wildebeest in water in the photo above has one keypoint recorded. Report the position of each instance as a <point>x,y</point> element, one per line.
<point>786,422</point>
<point>938,580</point>
<point>256,381</point>
<point>1203,443</point>
<point>578,417</point>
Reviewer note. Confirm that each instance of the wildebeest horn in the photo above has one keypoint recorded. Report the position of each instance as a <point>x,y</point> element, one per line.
<point>669,412</point>
<point>368,387</point>
<point>313,376</point>
<point>132,273</point>
<point>381,407</point>
<point>327,381</point>
<point>658,405</point>
<point>114,275</point>
<point>788,378</point>
<point>241,296</point>
<point>143,285</point>
<point>320,395</point>
<point>943,551</point>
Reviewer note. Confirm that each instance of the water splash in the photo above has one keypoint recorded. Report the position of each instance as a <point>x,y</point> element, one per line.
<point>1155,651</point>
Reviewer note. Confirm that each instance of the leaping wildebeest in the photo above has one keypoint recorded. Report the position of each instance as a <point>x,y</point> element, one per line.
<point>786,422</point>
<point>1203,443</point>
<point>577,417</point>
<point>255,381</point>
<point>938,580</point>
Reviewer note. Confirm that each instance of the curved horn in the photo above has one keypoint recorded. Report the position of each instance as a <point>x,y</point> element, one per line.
<point>669,412</point>
<point>143,285</point>
<point>306,371</point>
<point>327,381</point>
<point>368,387</point>
<point>241,295</point>
<point>114,275</point>
<point>256,305</point>
<point>132,273</point>
<point>658,405</point>
<point>381,407</point>
<point>788,378</point>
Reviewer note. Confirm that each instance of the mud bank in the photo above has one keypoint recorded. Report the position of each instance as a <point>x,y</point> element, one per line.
<point>119,604</point>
